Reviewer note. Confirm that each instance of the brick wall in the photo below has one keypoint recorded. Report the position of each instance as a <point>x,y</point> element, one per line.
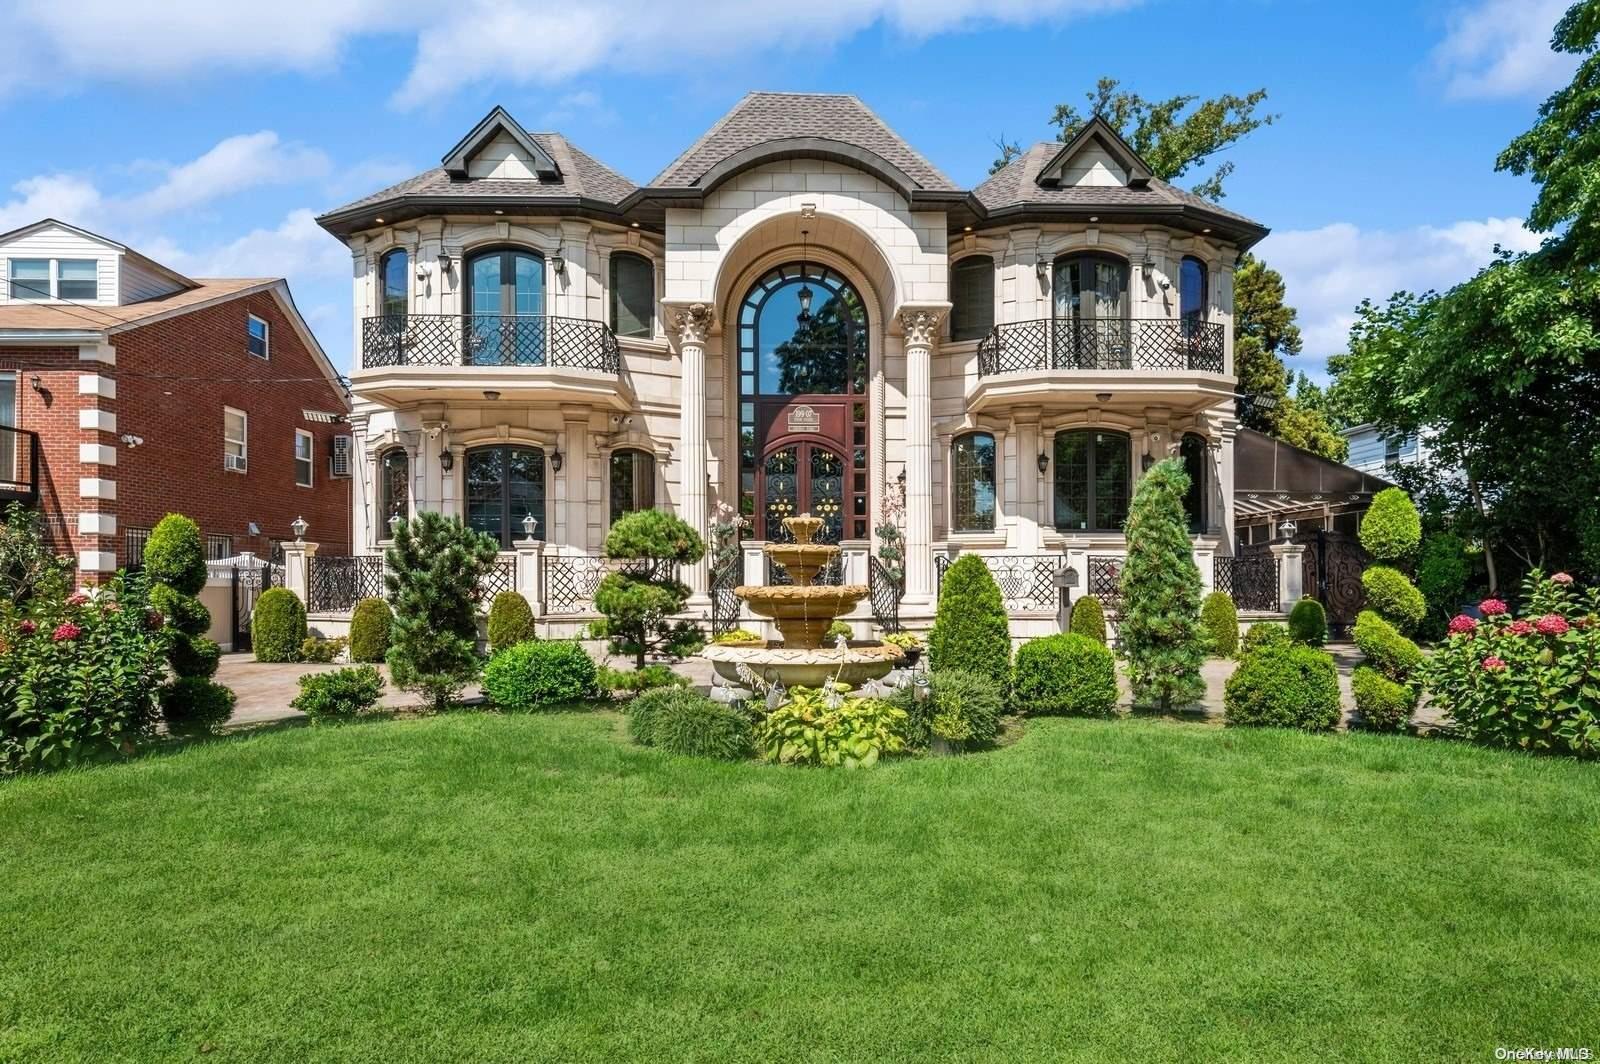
<point>51,410</point>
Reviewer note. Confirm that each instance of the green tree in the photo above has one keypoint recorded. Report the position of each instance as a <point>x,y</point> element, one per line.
<point>970,630</point>
<point>433,573</point>
<point>1303,420</point>
<point>1160,630</point>
<point>640,600</point>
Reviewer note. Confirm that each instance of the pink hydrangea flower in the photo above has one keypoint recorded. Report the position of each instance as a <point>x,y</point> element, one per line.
<point>77,598</point>
<point>27,628</point>
<point>1493,664</point>
<point>1520,628</point>
<point>66,630</point>
<point>1461,624</point>
<point>1561,578</point>
<point>1492,607</point>
<point>1552,624</point>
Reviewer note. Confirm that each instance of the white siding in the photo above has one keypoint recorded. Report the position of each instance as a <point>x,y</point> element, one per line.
<point>58,242</point>
<point>1367,450</point>
<point>139,282</point>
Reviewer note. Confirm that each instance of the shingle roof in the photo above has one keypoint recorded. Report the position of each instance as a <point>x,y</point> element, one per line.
<point>79,317</point>
<point>767,116</point>
<point>1017,185</point>
<point>582,176</point>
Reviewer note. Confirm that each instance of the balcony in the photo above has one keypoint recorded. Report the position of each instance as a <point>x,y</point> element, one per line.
<point>1170,361</point>
<point>19,466</point>
<point>476,356</point>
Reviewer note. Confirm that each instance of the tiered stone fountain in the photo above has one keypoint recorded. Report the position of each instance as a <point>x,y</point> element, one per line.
<point>803,611</point>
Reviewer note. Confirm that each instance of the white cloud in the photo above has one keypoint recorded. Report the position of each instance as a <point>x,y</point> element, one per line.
<point>1501,48</point>
<point>1328,271</point>
<point>246,161</point>
<point>295,247</point>
<point>66,197</point>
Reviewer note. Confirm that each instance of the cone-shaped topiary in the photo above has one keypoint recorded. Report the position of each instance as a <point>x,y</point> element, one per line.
<point>278,626</point>
<point>1159,630</point>
<point>1221,620</point>
<point>970,631</point>
<point>1308,622</point>
<point>1388,692</point>
<point>1391,529</point>
<point>510,621</point>
<point>369,631</point>
<point>433,572</point>
<point>1089,619</point>
<point>175,563</point>
<point>638,602</point>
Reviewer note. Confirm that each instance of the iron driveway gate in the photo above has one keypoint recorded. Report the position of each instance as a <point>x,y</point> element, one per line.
<point>1332,574</point>
<point>249,580</point>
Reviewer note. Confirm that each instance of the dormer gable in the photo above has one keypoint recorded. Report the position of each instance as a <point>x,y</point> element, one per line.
<point>1096,156</point>
<point>50,261</point>
<point>498,147</point>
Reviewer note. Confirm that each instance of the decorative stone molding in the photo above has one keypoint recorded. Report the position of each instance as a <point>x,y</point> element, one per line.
<point>692,323</point>
<point>920,325</point>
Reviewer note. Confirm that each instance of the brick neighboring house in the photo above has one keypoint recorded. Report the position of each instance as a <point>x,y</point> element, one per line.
<point>128,391</point>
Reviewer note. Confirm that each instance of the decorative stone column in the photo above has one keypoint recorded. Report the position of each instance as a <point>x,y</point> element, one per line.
<point>575,476</point>
<point>529,579</point>
<point>1291,573</point>
<point>692,323</point>
<point>919,329</point>
<point>297,569</point>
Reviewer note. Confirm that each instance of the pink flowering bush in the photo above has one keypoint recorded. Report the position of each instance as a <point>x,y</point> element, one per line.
<point>1533,682</point>
<point>78,684</point>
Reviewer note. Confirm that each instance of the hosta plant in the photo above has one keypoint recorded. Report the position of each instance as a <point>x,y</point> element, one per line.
<point>822,727</point>
<point>1530,682</point>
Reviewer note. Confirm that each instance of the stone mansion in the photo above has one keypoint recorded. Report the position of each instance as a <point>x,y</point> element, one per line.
<point>799,313</point>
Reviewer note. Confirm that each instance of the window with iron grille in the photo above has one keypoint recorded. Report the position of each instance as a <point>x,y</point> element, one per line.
<point>972,483</point>
<point>218,547</point>
<point>972,298</point>
<point>394,471</point>
<point>133,541</point>
<point>633,295</point>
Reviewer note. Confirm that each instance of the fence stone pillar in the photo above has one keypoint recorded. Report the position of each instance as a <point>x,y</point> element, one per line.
<point>297,569</point>
<point>1291,573</point>
<point>1205,558</point>
<point>530,577</point>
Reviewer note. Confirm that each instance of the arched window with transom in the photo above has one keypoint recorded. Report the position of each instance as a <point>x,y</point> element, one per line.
<point>504,485</point>
<point>1093,471</point>
<point>972,484</point>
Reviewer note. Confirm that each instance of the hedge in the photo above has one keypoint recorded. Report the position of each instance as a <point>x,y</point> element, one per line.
<point>510,621</point>
<point>1284,686</point>
<point>370,626</point>
<point>1220,618</point>
<point>1088,619</point>
<point>961,708</point>
<point>1264,634</point>
<point>1065,674</point>
<point>278,626</point>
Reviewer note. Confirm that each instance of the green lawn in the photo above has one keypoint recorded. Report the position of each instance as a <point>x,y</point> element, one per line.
<point>478,888</point>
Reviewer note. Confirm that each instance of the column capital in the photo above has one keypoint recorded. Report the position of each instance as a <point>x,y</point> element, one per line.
<point>691,321</point>
<point>920,322</point>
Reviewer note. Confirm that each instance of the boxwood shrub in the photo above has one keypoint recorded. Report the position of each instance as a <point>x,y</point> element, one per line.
<point>369,631</point>
<point>1308,622</point>
<point>340,695</point>
<point>962,708</point>
<point>1088,619</point>
<point>1384,704</point>
<point>970,631</point>
<point>687,722</point>
<point>1391,529</point>
<point>1220,618</point>
<point>278,626</point>
<point>1284,686</point>
<point>539,675</point>
<point>1264,634</point>
<point>510,621</point>
<point>194,705</point>
<point>1065,674</point>
<point>1392,594</point>
<point>1386,649</point>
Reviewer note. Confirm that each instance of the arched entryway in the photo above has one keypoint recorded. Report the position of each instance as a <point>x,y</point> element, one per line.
<point>803,362</point>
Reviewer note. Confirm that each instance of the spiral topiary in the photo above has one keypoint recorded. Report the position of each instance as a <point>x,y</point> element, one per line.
<point>1386,689</point>
<point>175,563</point>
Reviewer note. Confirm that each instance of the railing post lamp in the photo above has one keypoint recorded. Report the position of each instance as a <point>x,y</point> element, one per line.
<point>299,527</point>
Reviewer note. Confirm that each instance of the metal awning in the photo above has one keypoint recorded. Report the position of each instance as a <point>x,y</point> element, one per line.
<point>1273,479</point>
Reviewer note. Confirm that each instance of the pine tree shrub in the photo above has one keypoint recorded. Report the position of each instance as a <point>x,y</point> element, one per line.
<point>1291,686</point>
<point>1308,623</point>
<point>1221,620</point>
<point>640,600</point>
<point>1391,529</point>
<point>540,675</point>
<point>1390,593</point>
<point>970,631</point>
<point>278,626</point>
<point>1264,634</point>
<point>369,631</point>
<point>432,572</point>
<point>1088,619</point>
<point>1384,704</point>
<point>1159,630</point>
<point>510,621</point>
<point>175,555</point>
<point>1067,673</point>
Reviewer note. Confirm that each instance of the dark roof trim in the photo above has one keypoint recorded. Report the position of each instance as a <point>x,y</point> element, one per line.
<point>405,208</point>
<point>1097,128</point>
<point>499,121</point>
<point>1196,219</point>
<point>836,151</point>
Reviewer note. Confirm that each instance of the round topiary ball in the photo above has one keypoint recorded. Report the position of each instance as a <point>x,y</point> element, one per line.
<point>175,555</point>
<point>1391,529</point>
<point>370,624</point>
<point>1284,686</point>
<point>510,621</point>
<point>1308,622</point>
<point>1089,619</point>
<point>278,626</point>
<point>1220,619</point>
<point>1065,674</point>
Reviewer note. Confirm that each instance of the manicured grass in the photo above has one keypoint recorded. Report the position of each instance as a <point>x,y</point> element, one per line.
<point>533,888</point>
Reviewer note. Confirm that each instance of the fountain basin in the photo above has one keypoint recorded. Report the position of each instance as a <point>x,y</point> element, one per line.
<point>803,613</point>
<point>854,665</point>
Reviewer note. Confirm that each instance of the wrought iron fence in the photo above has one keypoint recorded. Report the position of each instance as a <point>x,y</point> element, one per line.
<point>502,576</point>
<point>570,581</point>
<point>1109,343</point>
<point>886,589</point>
<point>336,582</point>
<point>1105,579</point>
<point>1250,580</point>
<point>488,340</point>
<point>1027,581</point>
<point>725,576</point>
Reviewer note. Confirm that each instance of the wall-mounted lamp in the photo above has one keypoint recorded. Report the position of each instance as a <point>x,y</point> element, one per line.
<point>558,263</point>
<point>556,460</point>
<point>1044,461</point>
<point>1215,443</point>
<point>37,382</point>
<point>901,479</point>
<point>1146,462</point>
<point>447,460</point>
<point>299,527</point>
<point>1148,268</point>
<point>1042,268</point>
<point>444,262</point>
<point>530,526</point>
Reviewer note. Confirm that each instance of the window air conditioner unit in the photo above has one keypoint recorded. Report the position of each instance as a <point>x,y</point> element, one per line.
<point>339,459</point>
<point>234,462</point>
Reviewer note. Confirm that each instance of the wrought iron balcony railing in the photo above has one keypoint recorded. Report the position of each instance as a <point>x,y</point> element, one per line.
<point>1156,344</point>
<point>19,465</point>
<point>488,340</point>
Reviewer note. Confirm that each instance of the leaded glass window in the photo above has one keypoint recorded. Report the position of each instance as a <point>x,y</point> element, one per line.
<point>1193,450</point>
<point>394,475</point>
<point>972,483</point>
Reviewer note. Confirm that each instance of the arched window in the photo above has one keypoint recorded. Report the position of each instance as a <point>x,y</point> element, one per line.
<point>1193,448</point>
<point>1093,470</point>
<point>394,272</point>
<point>972,483</point>
<point>633,482</point>
<point>633,295</point>
<point>505,484</point>
<point>394,487</point>
<point>972,298</point>
<point>505,300</point>
<point>1192,294</point>
<point>1090,304</point>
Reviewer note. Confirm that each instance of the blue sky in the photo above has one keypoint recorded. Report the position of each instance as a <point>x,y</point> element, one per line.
<point>208,135</point>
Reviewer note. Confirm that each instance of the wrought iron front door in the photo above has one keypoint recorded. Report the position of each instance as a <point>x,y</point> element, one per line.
<point>800,478</point>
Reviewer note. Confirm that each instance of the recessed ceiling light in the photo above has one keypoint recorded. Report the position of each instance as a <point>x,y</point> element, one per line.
<point>378,220</point>
<point>636,225</point>
<point>1094,217</point>
<point>966,229</point>
<point>1205,230</point>
<point>499,211</point>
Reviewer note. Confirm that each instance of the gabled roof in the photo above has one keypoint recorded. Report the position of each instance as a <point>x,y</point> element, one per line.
<point>1100,132</point>
<point>800,123</point>
<point>493,124</point>
<point>105,241</point>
